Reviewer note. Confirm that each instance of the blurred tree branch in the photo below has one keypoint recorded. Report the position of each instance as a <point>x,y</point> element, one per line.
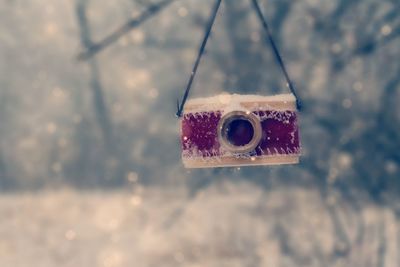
<point>94,48</point>
<point>98,95</point>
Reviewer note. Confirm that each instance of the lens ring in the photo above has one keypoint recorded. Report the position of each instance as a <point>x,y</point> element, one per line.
<point>231,117</point>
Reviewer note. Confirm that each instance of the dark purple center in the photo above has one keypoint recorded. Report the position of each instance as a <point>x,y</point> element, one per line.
<point>239,132</point>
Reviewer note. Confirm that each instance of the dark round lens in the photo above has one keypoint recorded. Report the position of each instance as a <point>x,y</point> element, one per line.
<point>239,132</point>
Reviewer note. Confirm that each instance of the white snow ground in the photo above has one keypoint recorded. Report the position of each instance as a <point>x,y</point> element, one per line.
<point>225,225</point>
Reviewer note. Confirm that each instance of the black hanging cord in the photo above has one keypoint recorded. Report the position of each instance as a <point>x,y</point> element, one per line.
<point>210,24</point>
<point>276,52</point>
<point>201,52</point>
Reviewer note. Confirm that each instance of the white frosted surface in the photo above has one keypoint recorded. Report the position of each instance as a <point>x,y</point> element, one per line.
<point>159,226</point>
<point>234,98</point>
<point>233,101</point>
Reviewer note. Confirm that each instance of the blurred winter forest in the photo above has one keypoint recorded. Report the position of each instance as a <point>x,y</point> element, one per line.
<point>90,170</point>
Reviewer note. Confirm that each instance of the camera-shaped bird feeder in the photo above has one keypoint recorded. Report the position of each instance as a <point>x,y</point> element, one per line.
<point>240,130</point>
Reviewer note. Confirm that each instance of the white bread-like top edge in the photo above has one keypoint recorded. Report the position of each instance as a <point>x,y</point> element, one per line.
<point>224,98</point>
<point>231,101</point>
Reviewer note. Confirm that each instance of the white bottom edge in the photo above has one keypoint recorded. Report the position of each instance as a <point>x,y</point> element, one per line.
<point>197,163</point>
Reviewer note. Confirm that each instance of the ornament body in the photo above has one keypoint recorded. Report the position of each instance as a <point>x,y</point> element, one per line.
<point>240,130</point>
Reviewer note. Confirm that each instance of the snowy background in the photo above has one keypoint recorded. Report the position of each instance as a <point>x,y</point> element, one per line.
<point>90,170</point>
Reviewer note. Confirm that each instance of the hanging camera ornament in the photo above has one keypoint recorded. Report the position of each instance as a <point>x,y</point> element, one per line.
<point>233,130</point>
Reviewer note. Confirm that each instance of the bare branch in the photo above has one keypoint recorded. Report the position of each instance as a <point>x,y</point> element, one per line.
<point>150,12</point>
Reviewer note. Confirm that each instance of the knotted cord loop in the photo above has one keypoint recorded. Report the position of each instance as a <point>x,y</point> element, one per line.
<point>208,29</point>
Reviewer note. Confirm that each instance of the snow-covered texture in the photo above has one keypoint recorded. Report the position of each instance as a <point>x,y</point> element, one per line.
<point>229,225</point>
<point>226,98</point>
<point>231,102</point>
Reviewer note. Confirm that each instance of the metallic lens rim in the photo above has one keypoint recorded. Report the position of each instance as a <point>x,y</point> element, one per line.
<point>234,115</point>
